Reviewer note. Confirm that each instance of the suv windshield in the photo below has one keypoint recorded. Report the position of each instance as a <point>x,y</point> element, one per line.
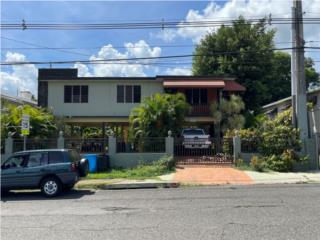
<point>193,132</point>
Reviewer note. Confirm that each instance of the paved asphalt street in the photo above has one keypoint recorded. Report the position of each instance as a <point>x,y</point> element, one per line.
<point>221,212</point>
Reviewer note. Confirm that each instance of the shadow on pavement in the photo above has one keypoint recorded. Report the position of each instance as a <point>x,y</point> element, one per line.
<point>36,195</point>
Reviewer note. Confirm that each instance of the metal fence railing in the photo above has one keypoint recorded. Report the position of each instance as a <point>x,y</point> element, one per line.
<point>144,145</point>
<point>87,145</point>
<point>250,145</point>
<point>198,147</point>
<point>33,144</point>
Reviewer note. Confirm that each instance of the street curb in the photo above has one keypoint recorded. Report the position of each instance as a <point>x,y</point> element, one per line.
<point>139,185</point>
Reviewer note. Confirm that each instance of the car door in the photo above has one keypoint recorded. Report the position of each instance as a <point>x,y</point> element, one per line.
<point>35,168</point>
<point>11,171</point>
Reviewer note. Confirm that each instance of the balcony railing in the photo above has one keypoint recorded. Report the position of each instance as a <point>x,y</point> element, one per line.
<point>200,110</point>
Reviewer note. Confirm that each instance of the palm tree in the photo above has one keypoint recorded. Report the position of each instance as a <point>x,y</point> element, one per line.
<point>158,114</point>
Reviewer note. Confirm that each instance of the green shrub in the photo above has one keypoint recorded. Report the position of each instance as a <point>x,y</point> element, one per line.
<point>166,161</point>
<point>285,161</point>
<point>257,163</point>
<point>239,162</point>
<point>278,135</point>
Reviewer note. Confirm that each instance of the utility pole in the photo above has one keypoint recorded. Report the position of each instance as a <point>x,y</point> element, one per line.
<point>298,82</point>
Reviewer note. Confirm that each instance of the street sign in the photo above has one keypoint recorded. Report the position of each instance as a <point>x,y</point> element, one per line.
<point>25,124</point>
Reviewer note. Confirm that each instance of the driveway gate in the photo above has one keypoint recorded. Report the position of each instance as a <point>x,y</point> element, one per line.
<point>213,151</point>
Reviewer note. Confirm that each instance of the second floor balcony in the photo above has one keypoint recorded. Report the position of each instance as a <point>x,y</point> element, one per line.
<point>200,110</point>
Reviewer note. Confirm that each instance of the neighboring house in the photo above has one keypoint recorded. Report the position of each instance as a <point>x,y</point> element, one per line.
<point>313,96</point>
<point>24,97</point>
<point>97,101</point>
<point>272,109</point>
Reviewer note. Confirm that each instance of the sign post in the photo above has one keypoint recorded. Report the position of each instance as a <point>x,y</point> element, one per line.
<point>25,129</point>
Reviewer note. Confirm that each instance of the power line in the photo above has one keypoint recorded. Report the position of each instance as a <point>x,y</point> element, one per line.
<point>143,25</point>
<point>140,58</point>
<point>45,47</point>
<point>40,47</point>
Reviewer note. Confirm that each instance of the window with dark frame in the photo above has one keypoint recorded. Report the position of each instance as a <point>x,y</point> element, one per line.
<point>136,94</point>
<point>76,94</point>
<point>128,94</point>
<point>120,94</point>
<point>197,96</point>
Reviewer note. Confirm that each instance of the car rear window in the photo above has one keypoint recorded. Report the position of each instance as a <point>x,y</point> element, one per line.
<point>56,157</point>
<point>192,132</point>
<point>74,156</point>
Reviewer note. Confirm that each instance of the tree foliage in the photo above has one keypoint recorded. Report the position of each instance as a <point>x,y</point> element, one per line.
<point>227,113</point>
<point>42,123</point>
<point>312,76</point>
<point>158,114</point>
<point>243,50</point>
<point>279,79</point>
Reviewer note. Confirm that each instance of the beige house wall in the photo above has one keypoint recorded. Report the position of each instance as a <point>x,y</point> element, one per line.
<point>102,99</point>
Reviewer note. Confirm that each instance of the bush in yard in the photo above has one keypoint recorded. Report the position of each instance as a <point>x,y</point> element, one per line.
<point>166,161</point>
<point>278,135</point>
<point>285,161</point>
<point>280,142</point>
<point>258,163</point>
<point>239,162</point>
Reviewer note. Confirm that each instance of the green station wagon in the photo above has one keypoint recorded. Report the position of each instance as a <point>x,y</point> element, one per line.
<point>51,170</point>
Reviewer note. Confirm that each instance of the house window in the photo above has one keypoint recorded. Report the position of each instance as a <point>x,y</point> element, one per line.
<point>128,94</point>
<point>197,96</point>
<point>76,94</point>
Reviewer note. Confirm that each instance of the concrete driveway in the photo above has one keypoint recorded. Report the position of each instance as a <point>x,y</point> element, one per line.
<point>211,175</point>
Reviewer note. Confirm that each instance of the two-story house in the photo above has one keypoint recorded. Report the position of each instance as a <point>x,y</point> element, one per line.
<point>101,101</point>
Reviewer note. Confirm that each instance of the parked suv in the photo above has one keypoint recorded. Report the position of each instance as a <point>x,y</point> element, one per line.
<point>51,170</point>
<point>195,138</point>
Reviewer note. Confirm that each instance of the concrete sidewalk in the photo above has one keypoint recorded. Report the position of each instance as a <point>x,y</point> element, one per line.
<point>279,177</point>
<point>204,176</point>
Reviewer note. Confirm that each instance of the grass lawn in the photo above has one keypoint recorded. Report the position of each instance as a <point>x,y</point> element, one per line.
<point>140,172</point>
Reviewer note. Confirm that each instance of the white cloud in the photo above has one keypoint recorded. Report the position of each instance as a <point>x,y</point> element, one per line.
<point>83,70</point>
<point>142,49</point>
<point>20,77</point>
<point>178,71</point>
<point>167,35</point>
<point>123,68</point>
<point>250,9</point>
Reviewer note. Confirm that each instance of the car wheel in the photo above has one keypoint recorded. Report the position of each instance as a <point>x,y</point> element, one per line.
<point>51,186</point>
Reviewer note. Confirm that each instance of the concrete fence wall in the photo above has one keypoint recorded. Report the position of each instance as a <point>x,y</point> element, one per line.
<point>130,160</point>
<point>309,144</point>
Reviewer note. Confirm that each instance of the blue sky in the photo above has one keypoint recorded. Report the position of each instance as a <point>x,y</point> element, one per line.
<point>125,43</point>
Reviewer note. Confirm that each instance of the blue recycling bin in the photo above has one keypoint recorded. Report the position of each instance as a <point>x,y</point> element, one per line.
<point>92,158</point>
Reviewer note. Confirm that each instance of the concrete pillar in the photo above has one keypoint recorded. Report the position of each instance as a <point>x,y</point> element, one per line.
<point>8,147</point>
<point>60,141</point>
<point>112,142</point>
<point>170,144</point>
<point>112,150</point>
<point>236,147</point>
